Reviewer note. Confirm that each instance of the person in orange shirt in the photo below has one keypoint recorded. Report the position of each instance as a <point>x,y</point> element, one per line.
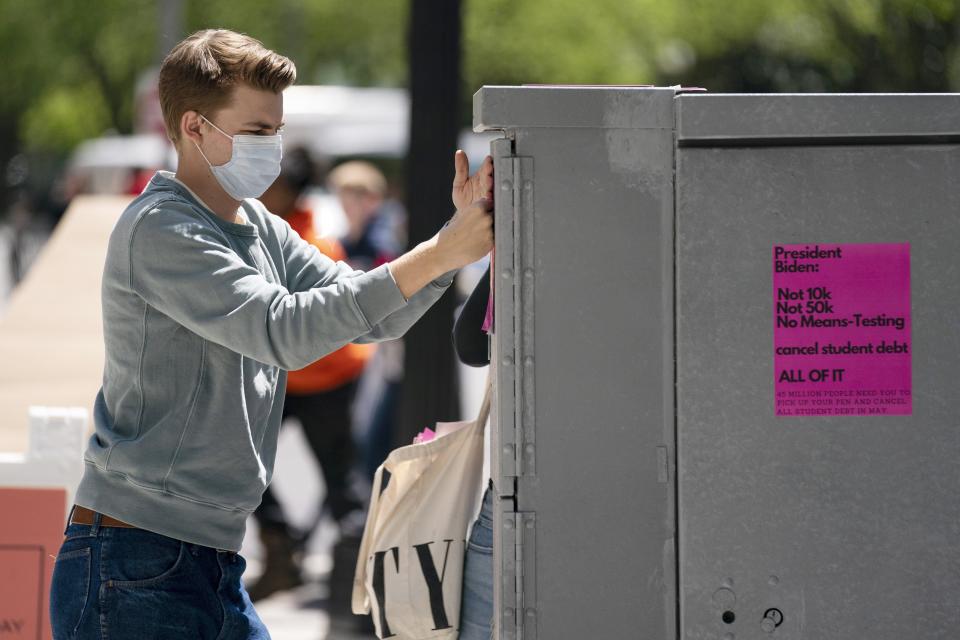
<point>320,396</point>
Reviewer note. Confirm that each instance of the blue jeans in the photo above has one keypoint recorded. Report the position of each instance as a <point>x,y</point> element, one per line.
<point>476,608</point>
<point>111,582</point>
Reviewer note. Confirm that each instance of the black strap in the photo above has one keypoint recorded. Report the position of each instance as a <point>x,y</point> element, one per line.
<point>469,339</point>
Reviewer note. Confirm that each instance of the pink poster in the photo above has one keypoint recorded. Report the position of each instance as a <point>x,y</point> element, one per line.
<point>841,337</point>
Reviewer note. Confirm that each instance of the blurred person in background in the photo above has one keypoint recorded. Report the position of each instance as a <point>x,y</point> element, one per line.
<point>19,217</point>
<point>320,396</point>
<point>375,235</point>
<point>374,223</point>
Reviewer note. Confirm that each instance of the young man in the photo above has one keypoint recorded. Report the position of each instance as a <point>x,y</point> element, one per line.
<point>208,300</point>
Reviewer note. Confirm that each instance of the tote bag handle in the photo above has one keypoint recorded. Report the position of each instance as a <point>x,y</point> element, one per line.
<point>487,401</point>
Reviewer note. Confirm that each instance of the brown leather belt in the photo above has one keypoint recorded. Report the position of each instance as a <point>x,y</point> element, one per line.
<point>82,515</point>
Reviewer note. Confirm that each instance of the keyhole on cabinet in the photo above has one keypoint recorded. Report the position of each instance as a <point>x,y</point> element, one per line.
<point>773,615</point>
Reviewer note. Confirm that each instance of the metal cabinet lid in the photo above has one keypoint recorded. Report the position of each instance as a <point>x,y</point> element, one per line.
<point>705,119</point>
<point>756,119</point>
<point>552,106</point>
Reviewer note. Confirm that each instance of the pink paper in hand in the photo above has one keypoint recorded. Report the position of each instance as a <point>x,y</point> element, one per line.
<point>488,317</point>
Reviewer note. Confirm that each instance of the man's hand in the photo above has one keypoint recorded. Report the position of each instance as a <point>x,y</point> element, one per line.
<point>468,236</point>
<point>479,186</point>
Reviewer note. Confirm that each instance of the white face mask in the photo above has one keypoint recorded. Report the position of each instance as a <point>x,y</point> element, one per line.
<point>253,166</point>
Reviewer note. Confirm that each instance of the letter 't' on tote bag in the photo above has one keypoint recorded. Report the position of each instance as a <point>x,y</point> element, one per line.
<point>410,569</point>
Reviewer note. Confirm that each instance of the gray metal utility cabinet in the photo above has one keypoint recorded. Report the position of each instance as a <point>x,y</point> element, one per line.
<point>725,364</point>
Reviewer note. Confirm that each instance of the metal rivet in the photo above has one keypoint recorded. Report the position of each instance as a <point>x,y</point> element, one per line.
<point>529,449</point>
<point>528,184</point>
<point>508,613</point>
<point>507,361</point>
<point>773,581</point>
<point>768,625</point>
<point>506,185</point>
<point>531,613</point>
<point>508,524</point>
<point>529,526</point>
<point>528,361</point>
<point>508,449</point>
<point>528,273</point>
<point>507,274</point>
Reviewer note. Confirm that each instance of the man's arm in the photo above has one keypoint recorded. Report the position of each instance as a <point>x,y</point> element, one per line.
<point>465,239</point>
<point>470,231</point>
<point>465,235</point>
<point>183,268</point>
<point>422,275</point>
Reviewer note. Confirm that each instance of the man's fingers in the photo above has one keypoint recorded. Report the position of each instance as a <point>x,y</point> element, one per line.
<point>461,166</point>
<point>485,204</point>
<point>487,171</point>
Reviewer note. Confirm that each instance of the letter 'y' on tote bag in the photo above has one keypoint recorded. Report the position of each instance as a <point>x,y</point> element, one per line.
<point>410,569</point>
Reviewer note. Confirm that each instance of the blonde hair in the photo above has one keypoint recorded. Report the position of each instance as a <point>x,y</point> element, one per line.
<point>357,175</point>
<point>200,73</point>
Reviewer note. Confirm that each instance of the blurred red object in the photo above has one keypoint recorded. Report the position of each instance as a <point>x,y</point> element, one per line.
<point>31,531</point>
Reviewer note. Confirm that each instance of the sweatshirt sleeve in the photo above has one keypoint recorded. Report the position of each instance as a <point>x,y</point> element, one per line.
<point>307,267</point>
<point>185,269</point>
<point>396,324</point>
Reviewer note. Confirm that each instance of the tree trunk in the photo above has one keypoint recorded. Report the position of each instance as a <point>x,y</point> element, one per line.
<point>430,389</point>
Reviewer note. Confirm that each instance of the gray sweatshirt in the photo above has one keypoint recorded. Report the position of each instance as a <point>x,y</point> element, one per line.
<point>202,318</point>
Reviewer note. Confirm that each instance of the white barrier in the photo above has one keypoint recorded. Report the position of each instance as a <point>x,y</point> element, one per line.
<point>54,457</point>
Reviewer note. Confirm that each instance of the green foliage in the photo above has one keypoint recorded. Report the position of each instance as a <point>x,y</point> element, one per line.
<point>55,124</point>
<point>90,54</point>
<point>330,41</point>
<point>824,45</point>
<point>563,41</point>
<point>748,45</point>
<point>71,66</point>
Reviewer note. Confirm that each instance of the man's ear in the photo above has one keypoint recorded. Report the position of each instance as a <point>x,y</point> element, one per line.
<point>190,126</point>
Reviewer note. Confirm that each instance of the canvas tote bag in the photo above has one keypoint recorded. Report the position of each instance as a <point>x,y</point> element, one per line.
<point>425,496</point>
